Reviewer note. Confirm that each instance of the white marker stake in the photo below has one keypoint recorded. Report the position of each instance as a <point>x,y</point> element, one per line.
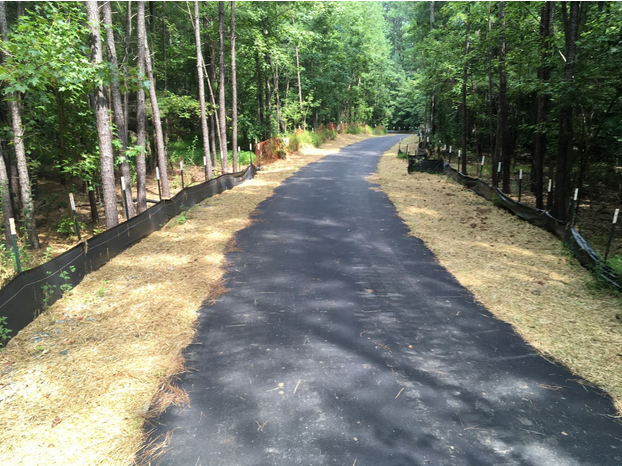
<point>459,152</point>
<point>483,158</point>
<point>181,166</point>
<point>550,185</point>
<point>71,201</point>
<point>450,149</point>
<point>122,185</point>
<point>157,174</point>
<point>499,168</point>
<point>521,174</point>
<point>576,193</point>
<point>205,161</point>
<point>12,226</point>
<point>615,216</point>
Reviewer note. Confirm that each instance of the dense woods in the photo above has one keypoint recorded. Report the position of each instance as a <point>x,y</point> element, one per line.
<point>93,92</point>
<point>533,85</point>
<point>96,91</point>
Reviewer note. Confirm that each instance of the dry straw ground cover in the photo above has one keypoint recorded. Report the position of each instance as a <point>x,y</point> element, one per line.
<point>77,384</point>
<point>521,273</point>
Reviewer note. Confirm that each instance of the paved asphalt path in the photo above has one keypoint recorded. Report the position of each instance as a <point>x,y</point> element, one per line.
<point>343,342</point>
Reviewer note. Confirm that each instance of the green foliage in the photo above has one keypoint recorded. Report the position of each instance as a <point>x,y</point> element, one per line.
<point>4,331</point>
<point>67,226</point>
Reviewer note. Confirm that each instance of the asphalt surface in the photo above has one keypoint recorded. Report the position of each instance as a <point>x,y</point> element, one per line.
<point>344,342</point>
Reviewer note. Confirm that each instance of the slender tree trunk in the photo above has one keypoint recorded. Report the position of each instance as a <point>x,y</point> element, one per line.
<point>224,159</point>
<point>260,114</point>
<point>106,157</point>
<point>211,76</point>
<point>491,132</point>
<point>544,74</point>
<point>141,166</point>
<point>234,94</point>
<point>5,198</point>
<point>157,124</point>
<point>563,170</point>
<point>205,132</point>
<point>279,120</point>
<point>465,70</point>
<point>93,202</point>
<point>126,52</point>
<point>117,105</point>
<point>503,136</point>
<point>302,114</point>
<point>433,95</point>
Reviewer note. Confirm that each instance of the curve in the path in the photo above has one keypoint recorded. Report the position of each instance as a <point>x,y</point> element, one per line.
<point>344,342</point>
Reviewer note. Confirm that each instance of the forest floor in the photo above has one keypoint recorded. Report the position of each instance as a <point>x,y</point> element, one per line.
<point>521,273</point>
<point>78,384</point>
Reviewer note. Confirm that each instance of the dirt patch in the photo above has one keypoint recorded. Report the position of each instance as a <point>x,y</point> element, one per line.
<point>521,273</point>
<point>78,383</point>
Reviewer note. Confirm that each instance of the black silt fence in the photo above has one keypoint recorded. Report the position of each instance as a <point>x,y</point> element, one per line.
<point>26,296</point>
<point>579,247</point>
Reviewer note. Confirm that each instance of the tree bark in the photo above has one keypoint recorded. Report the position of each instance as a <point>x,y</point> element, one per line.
<point>491,132</point>
<point>5,198</point>
<point>224,159</point>
<point>157,124</point>
<point>260,113</point>
<point>211,76</point>
<point>106,158</point>
<point>502,131</point>
<point>234,94</point>
<point>465,70</point>
<point>302,114</point>
<point>563,170</point>
<point>433,95</point>
<point>205,132</point>
<point>117,105</point>
<point>544,74</point>
<point>141,166</point>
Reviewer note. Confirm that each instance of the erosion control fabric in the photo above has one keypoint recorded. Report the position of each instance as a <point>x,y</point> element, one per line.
<point>343,341</point>
<point>27,295</point>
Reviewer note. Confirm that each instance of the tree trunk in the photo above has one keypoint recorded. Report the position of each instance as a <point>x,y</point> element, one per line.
<point>234,94</point>
<point>106,158</point>
<point>433,95</point>
<point>211,76</point>
<point>465,70</point>
<point>224,159</point>
<point>117,105</point>
<point>20,151</point>
<point>157,125</point>
<point>279,120</point>
<point>302,114</point>
<point>502,131</point>
<point>141,166</point>
<point>5,198</point>
<point>563,169</point>
<point>205,132</point>
<point>260,114</point>
<point>93,203</point>
<point>544,74</point>
<point>491,132</point>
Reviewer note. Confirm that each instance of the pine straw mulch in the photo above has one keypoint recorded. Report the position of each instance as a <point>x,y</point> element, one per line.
<point>521,273</point>
<point>77,385</point>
